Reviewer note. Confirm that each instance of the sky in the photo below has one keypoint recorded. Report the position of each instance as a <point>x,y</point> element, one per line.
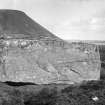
<point>68,19</point>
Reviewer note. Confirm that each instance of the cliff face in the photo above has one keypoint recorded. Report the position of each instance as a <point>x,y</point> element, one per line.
<point>30,53</point>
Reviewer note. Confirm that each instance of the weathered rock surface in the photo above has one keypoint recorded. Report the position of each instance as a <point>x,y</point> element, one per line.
<point>30,53</point>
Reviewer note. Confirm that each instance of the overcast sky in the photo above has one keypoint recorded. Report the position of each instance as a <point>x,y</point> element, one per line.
<point>68,19</point>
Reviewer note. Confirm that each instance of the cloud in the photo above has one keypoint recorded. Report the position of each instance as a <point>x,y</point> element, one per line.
<point>6,4</point>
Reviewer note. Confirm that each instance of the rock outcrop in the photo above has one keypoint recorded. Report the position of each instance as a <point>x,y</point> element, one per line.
<point>30,53</point>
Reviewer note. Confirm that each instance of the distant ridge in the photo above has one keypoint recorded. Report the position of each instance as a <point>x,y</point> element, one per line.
<point>97,42</point>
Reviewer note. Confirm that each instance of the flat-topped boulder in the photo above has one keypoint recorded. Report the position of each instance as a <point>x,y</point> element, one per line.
<point>30,53</point>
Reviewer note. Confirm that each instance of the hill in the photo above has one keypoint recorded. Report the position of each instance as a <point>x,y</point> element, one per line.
<point>16,24</point>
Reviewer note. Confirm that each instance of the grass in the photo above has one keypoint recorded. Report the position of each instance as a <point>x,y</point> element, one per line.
<point>83,94</point>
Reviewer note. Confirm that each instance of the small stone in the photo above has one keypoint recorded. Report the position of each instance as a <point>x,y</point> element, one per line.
<point>95,98</point>
<point>84,63</point>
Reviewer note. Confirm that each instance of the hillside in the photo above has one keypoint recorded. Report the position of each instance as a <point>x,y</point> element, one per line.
<point>16,24</point>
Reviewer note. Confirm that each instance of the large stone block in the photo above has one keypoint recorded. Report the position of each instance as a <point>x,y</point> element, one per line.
<point>40,62</point>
